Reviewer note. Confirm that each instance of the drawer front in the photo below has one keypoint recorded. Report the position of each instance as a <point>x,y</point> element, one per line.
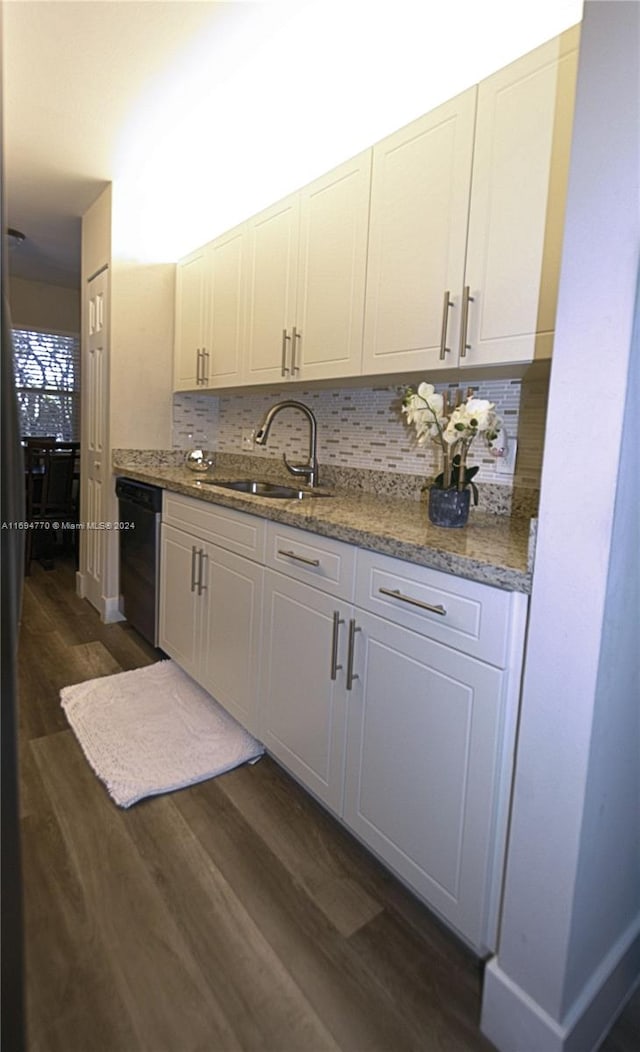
<point>234,530</point>
<point>320,561</point>
<point>471,617</point>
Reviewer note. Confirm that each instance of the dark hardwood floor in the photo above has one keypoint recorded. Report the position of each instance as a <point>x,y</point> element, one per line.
<point>232,915</point>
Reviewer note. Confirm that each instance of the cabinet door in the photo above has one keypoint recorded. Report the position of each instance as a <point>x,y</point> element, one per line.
<point>272,279</point>
<point>303,708</point>
<point>334,216</point>
<point>230,640</point>
<point>520,170</point>
<point>180,603</point>
<point>417,237</point>
<point>227,262</point>
<point>190,319</point>
<point>423,745</point>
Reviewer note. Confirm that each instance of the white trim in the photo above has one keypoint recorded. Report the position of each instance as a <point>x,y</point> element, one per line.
<point>514,1022</point>
<point>81,585</point>
<point>111,609</point>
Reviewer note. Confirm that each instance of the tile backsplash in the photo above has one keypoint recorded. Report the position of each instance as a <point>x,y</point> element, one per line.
<point>362,427</point>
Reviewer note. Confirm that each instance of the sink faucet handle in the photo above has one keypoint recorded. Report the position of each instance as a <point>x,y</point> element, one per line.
<point>297,469</point>
<point>310,470</point>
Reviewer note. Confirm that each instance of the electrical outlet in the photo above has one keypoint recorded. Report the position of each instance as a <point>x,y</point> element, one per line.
<point>247,438</point>
<point>506,465</point>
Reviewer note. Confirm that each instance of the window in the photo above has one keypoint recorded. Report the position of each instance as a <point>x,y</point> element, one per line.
<point>47,370</point>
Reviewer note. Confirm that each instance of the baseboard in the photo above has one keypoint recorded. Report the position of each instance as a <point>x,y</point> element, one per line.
<point>108,606</point>
<point>514,1022</point>
<point>111,609</point>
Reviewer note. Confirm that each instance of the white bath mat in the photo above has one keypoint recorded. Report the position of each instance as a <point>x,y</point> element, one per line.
<point>153,730</point>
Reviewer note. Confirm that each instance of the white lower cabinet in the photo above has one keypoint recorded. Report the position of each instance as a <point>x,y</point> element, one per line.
<point>423,737</point>
<point>180,606</point>
<point>231,634</point>
<point>390,690</point>
<point>210,618</point>
<point>303,703</point>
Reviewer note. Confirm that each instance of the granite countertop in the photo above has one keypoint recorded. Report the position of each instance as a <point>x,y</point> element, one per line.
<point>493,549</point>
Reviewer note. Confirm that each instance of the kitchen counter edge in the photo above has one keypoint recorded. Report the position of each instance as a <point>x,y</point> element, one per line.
<point>491,549</point>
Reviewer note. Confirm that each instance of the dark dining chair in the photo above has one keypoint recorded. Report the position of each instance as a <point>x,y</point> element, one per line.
<point>50,498</point>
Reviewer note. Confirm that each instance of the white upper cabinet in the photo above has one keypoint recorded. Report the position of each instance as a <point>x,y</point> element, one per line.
<point>225,326</point>
<point>425,308</point>
<point>417,237</point>
<point>518,192</point>
<point>210,290</point>
<point>307,265</point>
<point>271,292</point>
<point>191,299</point>
<point>334,215</point>
<point>438,248</point>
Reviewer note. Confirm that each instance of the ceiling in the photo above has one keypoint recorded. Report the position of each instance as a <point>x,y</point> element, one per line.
<point>71,71</point>
<point>203,112</point>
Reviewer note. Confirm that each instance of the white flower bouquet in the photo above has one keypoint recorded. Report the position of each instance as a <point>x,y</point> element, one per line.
<point>452,426</point>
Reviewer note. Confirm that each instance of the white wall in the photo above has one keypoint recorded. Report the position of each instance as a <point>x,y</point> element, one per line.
<point>289,90</point>
<point>96,236</point>
<point>42,307</point>
<point>142,308</point>
<point>569,948</point>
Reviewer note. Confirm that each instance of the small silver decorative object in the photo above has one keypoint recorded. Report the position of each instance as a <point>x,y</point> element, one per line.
<point>198,460</point>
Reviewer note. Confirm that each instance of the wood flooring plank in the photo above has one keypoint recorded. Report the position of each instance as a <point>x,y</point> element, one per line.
<point>50,604</point>
<point>148,929</point>
<point>421,988</point>
<point>34,617</point>
<point>305,835</point>
<point>170,1004</point>
<point>31,796</point>
<point>72,997</point>
<point>291,824</point>
<point>261,998</point>
<point>127,647</point>
<point>329,973</point>
<point>315,846</point>
<point>39,711</point>
<point>45,666</point>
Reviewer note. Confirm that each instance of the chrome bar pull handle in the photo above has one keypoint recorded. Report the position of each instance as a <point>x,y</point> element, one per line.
<point>205,366</point>
<point>337,621</point>
<point>202,557</point>
<point>395,594</point>
<point>299,558</point>
<point>193,567</point>
<point>351,675</point>
<point>285,336</point>
<point>294,337</point>
<point>467,298</point>
<point>446,306</point>
<point>197,365</point>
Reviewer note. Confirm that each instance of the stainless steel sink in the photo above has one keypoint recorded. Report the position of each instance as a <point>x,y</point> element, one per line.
<point>266,489</point>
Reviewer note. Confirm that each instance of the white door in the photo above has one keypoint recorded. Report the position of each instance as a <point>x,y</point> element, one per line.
<point>423,740</point>
<point>302,707</point>
<point>95,471</point>
<point>226,269</point>
<point>417,237</point>
<point>334,220</point>
<point>189,348</point>
<point>181,602</point>
<point>271,300</point>
<point>518,192</point>
<point>230,639</point>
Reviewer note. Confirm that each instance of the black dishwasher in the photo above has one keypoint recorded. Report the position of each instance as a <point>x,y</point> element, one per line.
<point>139,519</point>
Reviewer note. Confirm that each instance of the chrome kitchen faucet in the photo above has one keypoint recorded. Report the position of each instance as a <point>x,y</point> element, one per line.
<point>310,469</point>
